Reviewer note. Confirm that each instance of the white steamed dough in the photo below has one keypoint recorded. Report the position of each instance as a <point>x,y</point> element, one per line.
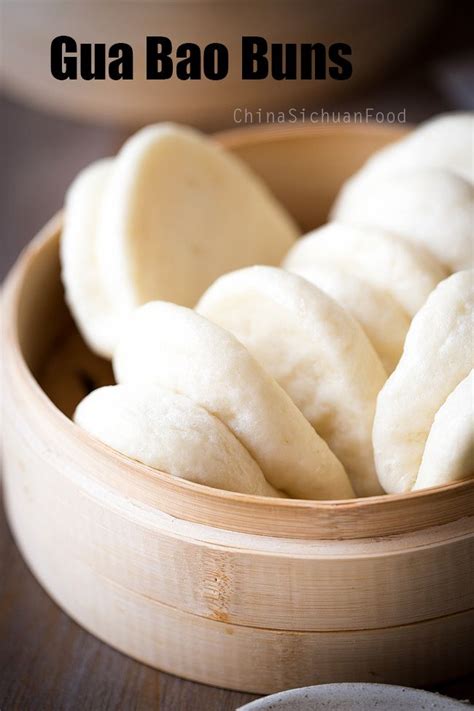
<point>162,220</point>
<point>382,318</point>
<point>449,451</point>
<point>376,256</point>
<point>432,208</point>
<point>169,432</point>
<point>252,361</point>
<point>438,354</point>
<point>95,314</point>
<point>445,141</point>
<point>179,211</point>
<point>314,349</point>
<point>178,349</point>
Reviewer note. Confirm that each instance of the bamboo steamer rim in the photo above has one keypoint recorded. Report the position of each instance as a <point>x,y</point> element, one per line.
<point>387,515</point>
<point>260,134</point>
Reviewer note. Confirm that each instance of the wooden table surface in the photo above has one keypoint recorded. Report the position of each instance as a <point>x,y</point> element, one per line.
<point>47,662</point>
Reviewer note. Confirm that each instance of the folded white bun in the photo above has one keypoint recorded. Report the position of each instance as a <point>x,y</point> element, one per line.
<point>180,350</point>
<point>169,432</point>
<point>384,321</point>
<point>445,141</point>
<point>178,211</point>
<point>431,208</point>
<point>314,349</point>
<point>438,354</point>
<point>376,256</point>
<point>94,313</point>
<point>449,449</point>
<point>169,214</point>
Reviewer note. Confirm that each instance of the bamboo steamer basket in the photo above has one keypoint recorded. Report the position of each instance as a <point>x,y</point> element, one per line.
<point>237,591</point>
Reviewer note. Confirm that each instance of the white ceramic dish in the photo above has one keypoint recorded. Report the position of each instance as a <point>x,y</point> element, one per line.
<point>355,697</point>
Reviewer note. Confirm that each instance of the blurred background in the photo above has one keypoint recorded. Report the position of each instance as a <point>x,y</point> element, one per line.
<point>417,56</point>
